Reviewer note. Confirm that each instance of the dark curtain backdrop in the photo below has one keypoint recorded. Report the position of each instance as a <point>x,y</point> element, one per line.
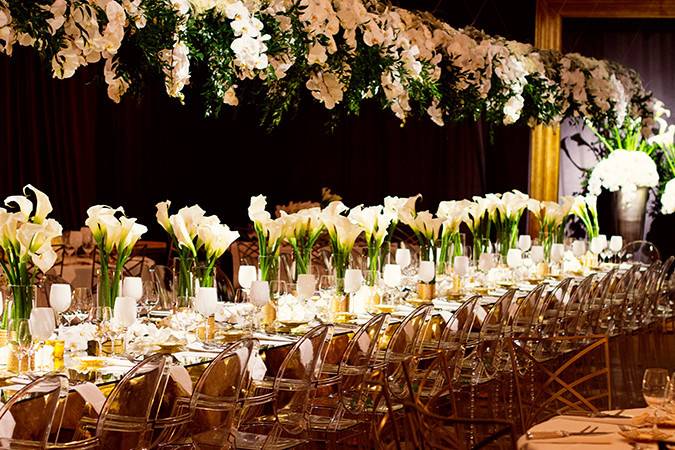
<point>647,45</point>
<point>67,138</point>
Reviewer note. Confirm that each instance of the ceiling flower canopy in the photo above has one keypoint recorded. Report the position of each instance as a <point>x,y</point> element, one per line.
<point>341,52</point>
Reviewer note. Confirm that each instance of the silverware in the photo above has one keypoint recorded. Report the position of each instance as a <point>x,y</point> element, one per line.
<point>533,435</point>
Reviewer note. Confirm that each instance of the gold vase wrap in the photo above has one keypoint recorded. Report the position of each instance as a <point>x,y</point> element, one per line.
<point>426,291</point>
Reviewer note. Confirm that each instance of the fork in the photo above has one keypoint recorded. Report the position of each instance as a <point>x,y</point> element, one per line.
<point>558,434</point>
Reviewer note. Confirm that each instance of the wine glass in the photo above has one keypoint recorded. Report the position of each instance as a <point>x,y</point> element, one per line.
<point>87,240</point>
<point>655,388</point>
<point>259,297</point>
<point>81,305</point>
<point>101,317</point>
<point>42,323</point>
<point>403,258</point>
<point>74,241</point>
<point>22,340</point>
<point>60,297</point>
<point>150,298</point>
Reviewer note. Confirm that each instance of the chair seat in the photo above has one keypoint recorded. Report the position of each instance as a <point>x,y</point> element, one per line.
<point>325,423</point>
<point>284,384</point>
<point>246,440</point>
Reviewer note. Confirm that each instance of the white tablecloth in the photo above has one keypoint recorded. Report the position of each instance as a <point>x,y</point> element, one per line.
<point>590,442</point>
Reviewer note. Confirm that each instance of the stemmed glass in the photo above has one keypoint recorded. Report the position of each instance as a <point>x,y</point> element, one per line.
<point>22,340</point>
<point>259,297</point>
<point>655,384</point>
<point>524,242</point>
<point>42,324</point>
<point>101,316</point>
<point>615,246</point>
<point>80,305</point>
<point>150,298</point>
<point>88,243</point>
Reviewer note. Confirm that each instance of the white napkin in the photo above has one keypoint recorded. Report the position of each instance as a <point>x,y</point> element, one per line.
<point>180,375</point>
<point>91,394</point>
<point>7,424</point>
<point>257,367</point>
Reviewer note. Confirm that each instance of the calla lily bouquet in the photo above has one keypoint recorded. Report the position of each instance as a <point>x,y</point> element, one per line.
<point>453,213</point>
<point>482,214</point>
<point>375,222</point>
<point>585,208</point>
<point>191,230</point>
<point>26,239</point>
<point>551,218</point>
<point>270,235</point>
<point>426,228</point>
<point>112,234</point>
<point>303,229</point>
<point>393,207</point>
<point>342,233</point>
<point>510,210</point>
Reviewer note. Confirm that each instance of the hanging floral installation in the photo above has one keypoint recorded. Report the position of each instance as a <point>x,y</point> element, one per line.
<point>342,52</point>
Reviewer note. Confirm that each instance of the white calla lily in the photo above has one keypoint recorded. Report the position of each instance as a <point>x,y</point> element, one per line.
<point>163,215</point>
<point>24,204</point>
<point>42,204</point>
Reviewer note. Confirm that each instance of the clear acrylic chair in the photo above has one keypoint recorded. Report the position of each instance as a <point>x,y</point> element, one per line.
<point>344,387</point>
<point>128,414</point>
<point>406,341</point>
<point>205,419</point>
<point>640,252</point>
<point>276,415</point>
<point>574,316</point>
<point>527,308</point>
<point>21,410</point>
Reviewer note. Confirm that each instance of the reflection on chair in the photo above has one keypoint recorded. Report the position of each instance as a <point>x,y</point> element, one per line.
<point>23,428</point>
<point>640,251</point>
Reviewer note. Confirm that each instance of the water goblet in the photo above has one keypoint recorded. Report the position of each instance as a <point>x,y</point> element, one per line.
<point>655,388</point>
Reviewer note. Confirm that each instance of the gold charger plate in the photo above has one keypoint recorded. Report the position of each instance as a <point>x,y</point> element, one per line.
<point>418,301</point>
<point>91,362</point>
<point>454,295</point>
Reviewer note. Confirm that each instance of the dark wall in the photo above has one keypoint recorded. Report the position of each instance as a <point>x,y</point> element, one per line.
<point>67,138</point>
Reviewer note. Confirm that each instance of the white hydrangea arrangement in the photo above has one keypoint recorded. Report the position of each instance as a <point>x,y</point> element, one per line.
<point>668,198</point>
<point>624,170</point>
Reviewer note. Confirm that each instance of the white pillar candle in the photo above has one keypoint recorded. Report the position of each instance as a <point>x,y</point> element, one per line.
<point>42,323</point>
<point>353,280</point>
<point>392,275</point>
<point>206,301</point>
<point>557,252</point>
<point>125,311</point>
<point>403,257</point>
<point>260,293</point>
<point>247,275</point>
<point>426,271</point>
<point>306,285</point>
<point>461,265</point>
<point>59,297</point>
<point>537,254</point>
<point>132,287</point>
<point>514,258</point>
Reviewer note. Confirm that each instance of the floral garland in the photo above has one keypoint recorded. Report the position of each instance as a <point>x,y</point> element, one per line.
<point>341,52</point>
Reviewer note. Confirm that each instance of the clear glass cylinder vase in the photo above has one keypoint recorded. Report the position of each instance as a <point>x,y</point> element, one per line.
<point>268,267</point>
<point>183,281</point>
